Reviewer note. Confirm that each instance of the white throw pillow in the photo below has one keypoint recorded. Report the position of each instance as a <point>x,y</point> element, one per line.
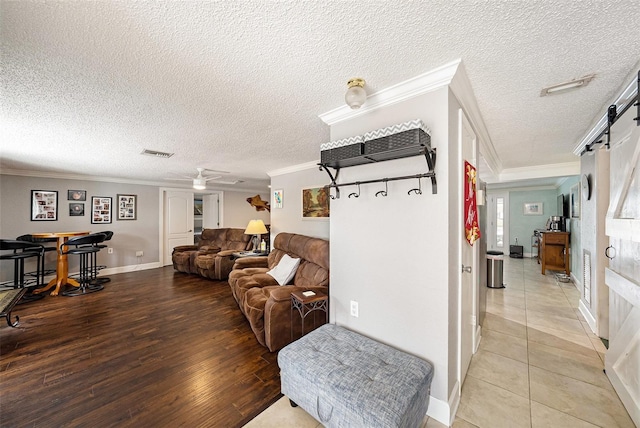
<point>285,270</point>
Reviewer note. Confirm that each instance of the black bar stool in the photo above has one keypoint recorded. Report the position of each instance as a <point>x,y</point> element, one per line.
<point>108,235</point>
<point>85,247</point>
<point>40,243</point>
<point>19,251</point>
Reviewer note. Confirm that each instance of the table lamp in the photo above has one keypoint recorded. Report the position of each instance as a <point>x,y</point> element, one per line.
<point>256,227</point>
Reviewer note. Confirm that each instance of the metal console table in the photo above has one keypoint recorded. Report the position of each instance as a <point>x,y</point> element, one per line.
<point>305,305</point>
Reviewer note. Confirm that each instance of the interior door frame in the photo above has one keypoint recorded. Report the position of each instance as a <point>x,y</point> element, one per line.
<point>161,214</point>
<point>470,279</point>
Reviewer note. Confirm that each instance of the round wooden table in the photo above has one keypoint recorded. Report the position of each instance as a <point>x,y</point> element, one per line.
<point>62,268</point>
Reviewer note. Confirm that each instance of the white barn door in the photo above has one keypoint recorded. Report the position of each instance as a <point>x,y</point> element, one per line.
<point>622,360</point>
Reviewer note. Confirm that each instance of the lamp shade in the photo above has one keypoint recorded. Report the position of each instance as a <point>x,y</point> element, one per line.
<point>255,227</point>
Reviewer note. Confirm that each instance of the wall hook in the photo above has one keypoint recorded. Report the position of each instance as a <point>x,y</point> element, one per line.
<point>354,194</point>
<point>337,193</point>
<point>384,192</point>
<point>418,191</point>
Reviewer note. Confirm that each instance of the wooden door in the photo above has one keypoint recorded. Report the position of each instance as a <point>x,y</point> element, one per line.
<point>622,360</point>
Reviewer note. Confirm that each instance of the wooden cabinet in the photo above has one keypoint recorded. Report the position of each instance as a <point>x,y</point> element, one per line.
<point>554,251</point>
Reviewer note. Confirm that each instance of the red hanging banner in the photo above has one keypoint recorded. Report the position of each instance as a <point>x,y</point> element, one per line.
<point>471,228</point>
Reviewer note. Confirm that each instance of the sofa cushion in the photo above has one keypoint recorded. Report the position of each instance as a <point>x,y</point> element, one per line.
<point>284,271</point>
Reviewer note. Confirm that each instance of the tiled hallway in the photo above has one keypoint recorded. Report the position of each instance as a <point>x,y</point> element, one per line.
<point>538,364</point>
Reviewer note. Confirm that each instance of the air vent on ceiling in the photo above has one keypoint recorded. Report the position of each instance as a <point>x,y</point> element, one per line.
<point>156,153</point>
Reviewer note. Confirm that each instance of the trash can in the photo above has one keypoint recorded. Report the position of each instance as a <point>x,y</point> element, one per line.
<point>495,265</point>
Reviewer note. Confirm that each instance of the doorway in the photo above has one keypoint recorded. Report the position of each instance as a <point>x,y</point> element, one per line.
<point>206,213</point>
<point>178,218</point>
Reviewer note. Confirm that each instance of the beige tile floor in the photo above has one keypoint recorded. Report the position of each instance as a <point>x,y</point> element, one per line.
<point>538,364</point>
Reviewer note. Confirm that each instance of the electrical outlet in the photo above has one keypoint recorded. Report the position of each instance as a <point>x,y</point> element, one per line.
<point>109,250</point>
<point>139,253</point>
<point>354,308</point>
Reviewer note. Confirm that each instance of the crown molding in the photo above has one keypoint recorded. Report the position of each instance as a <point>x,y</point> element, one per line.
<point>540,171</point>
<point>462,90</point>
<point>294,168</point>
<point>423,83</point>
<point>79,177</point>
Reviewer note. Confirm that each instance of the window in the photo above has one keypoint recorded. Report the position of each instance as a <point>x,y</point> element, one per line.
<point>500,222</point>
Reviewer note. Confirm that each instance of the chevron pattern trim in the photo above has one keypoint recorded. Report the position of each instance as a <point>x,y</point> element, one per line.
<point>341,143</point>
<point>395,129</point>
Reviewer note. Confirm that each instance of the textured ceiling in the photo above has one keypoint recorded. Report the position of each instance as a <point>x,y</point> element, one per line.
<point>239,85</point>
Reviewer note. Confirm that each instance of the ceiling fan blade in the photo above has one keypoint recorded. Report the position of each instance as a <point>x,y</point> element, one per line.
<point>217,171</point>
<point>179,179</point>
<point>228,182</point>
<point>213,177</point>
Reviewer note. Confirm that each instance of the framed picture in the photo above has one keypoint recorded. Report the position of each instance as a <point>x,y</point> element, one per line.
<point>76,209</point>
<point>100,209</point>
<point>44,205</point>
<point>278,198</point>
<point>315,203</point>
<point>533,208</point>
<point>76,195</point>
<point>574,201</point>
<point>197,207</point>
<point>127,207</point>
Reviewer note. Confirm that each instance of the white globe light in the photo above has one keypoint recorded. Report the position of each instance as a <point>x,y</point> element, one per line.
<point>356,95</point>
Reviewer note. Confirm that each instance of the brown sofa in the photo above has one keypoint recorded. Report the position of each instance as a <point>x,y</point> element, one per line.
<point>266,304</point>
<point>211,257</point>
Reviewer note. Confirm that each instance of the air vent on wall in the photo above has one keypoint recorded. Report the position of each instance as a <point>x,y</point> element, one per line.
<point>156,153</point>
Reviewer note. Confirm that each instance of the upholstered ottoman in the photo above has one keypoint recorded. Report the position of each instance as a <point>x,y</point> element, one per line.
<point>344,379</point>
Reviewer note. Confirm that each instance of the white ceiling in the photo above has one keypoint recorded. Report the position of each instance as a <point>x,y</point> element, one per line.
<point>238,85</point>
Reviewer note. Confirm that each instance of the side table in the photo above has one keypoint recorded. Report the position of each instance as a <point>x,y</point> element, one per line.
<point>241,254</point>
<point>306,305</point>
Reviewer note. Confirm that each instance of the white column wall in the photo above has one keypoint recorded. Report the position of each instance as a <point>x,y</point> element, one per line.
<point>391,254</point>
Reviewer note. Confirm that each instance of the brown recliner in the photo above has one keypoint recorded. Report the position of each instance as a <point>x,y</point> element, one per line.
<point>212,242</point>
<point>266,304</point>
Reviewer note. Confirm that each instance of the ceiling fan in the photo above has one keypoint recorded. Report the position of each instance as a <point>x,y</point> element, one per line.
<point>200,181</point>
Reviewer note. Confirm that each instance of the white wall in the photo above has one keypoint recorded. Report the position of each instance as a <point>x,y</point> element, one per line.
<point>392,255</point>
<point>289,217</point>
<point>129,236</point>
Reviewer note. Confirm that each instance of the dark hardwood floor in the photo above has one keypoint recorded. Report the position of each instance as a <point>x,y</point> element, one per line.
<point>155,348</point>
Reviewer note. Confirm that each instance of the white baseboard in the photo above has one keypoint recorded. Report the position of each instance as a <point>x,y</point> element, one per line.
<point>587,316</point>
<point>115,270</point>
<point>130,268</point>
<point>477,339</point>
<point>576,281</point>
<point>442,411</point>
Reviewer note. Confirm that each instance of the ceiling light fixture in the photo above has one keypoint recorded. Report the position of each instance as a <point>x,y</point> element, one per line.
<point>356,95</point>
<point>571,84</point>
<point>199,183</point>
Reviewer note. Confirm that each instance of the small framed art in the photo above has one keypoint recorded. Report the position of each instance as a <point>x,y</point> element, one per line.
<point>76,195</point>
<point>278,198</point>
<point>315,203</point>
<point>533,208</point>
<point>127,207</point>
<point>76,209</point>
<point>100,210</point>
<point>44,205</point>
<point>574,200</point>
